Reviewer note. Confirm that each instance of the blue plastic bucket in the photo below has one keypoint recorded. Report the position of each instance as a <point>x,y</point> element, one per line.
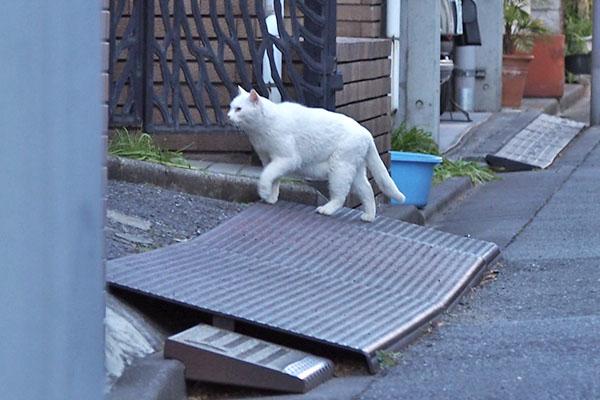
<point>413,174</point>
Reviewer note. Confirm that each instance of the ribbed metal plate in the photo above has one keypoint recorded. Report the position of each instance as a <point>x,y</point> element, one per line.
<point>537,145</point>
<point>337,280</point>
<point>215,355</point>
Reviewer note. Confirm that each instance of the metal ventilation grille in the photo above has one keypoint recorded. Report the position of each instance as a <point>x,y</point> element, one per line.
<point>336,280</point>
<point>537,145</point>
<point>214,355</point>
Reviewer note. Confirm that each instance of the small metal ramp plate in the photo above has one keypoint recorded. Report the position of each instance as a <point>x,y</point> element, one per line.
<point>336,280</point>
<point>215,355</point>
<point>537,145</point>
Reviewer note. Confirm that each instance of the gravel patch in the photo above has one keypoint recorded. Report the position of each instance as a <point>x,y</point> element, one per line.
<point>141,217</point>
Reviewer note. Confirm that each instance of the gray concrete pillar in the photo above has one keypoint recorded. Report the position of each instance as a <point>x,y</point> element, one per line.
<point>419,93</point>
<point>488,85</point>
<point>51,218</point>
<point>595,96</point>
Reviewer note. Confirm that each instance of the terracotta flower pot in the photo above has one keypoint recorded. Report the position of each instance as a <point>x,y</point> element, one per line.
<point>546,76</point>
<point>514,75</point>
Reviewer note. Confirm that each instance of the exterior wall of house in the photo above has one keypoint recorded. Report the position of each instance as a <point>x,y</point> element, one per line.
<point>365,65</point>
<point>360,18</point>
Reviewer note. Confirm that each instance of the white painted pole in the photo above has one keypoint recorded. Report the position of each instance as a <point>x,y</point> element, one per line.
<point>393,32</point>
<point>595,95</point>
<point>271,21</point>
<point>51,201</point>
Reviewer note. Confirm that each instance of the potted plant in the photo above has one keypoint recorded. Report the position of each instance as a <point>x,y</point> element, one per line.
<point>578,30</point>
<point>520,31</point>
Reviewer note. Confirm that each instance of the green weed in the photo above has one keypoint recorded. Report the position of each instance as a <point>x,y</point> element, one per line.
<point>141,146</point>
<point>418,140</point>
<point>388,359</point>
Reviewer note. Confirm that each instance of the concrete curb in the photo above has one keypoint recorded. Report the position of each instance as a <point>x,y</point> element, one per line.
<point>553,106</point>
<point>151,378</point>
<point>242,189</point>
<point>444,194</point>
<point>236,188</point>
<point>573,93</point>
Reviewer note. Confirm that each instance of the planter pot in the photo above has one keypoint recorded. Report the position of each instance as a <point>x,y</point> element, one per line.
<point>413,174</point>
<point>579,63</point>
<point>514,75</point>
<point>546,75</point>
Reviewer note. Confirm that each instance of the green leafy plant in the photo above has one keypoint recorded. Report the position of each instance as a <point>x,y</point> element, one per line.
<point>520,29</point>
<point>388,359</point>
<point>415,140</point>
<point>141,146</point>
<point>418,140</point>
<point>460,167</point>
<point>578,25</point>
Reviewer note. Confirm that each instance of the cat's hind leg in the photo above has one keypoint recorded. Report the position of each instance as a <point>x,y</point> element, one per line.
<point>362,188</point>
<point>340,182</point>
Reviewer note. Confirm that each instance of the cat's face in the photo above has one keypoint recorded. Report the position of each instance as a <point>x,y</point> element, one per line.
<point>243,107</point>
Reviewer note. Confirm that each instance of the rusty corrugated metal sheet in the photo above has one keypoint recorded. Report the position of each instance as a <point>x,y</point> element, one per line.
<point>336,280</point>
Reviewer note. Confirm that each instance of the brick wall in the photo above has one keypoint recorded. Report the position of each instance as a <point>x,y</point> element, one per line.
<point>359,18</point>
<point>365,65</point>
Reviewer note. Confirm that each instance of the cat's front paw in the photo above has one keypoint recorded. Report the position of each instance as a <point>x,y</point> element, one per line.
<point>268,197</point>
<point>327,209</point>
<point>271,199</point>
<point>367,217</point>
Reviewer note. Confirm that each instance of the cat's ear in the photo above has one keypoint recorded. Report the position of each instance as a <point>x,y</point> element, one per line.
<point>254,97</point>
<point>241,90</point>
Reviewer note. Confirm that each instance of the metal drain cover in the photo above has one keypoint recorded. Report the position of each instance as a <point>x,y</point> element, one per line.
<point>537,145</point>
<point>215,355</point>
<point>336,280</point>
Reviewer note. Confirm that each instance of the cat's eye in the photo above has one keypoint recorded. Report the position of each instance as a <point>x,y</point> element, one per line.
<point>237,109</point>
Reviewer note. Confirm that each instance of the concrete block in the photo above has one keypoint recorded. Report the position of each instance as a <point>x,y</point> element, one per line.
<point>368,89</point>
<point>354,49</point>
<point>379,125</point>
<point>151,378</point>
<point>358,12</point>
<point>367,109</point>
<point>366,69</point>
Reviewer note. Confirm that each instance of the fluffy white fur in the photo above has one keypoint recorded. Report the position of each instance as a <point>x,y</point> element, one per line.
<point>315,143</point>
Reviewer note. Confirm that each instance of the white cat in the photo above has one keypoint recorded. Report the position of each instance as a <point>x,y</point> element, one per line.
<point>315,143</point>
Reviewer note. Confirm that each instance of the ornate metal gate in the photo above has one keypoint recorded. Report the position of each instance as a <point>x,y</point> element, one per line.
<point>175,64</point>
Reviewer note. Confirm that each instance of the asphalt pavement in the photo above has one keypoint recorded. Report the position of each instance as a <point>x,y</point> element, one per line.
<point>531,330</point>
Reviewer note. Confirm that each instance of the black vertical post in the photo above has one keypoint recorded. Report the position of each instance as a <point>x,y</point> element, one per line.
<point>327,78</point>
<point>316,53</point>
<point>147,54</point>
<point>333,79</point>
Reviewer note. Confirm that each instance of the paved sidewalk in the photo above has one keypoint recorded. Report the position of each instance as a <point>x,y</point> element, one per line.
<point>534,331</point>
<point>540,311</point>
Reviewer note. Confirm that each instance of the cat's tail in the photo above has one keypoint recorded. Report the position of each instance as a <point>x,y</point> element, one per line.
<point>382,176</point>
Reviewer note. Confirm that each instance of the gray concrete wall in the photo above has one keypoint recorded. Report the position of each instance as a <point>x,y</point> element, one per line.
<point>549,11</point>
<point>419,103</point>
<point>51,230</point>
<point>488,91</point>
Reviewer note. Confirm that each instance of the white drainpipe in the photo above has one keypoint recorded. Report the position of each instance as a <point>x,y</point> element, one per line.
<point>393,32</point>
<point>271,21</point>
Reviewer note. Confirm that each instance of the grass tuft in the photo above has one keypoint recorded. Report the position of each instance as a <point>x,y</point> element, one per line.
<point>418,140</point>
<point>141,146</point>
